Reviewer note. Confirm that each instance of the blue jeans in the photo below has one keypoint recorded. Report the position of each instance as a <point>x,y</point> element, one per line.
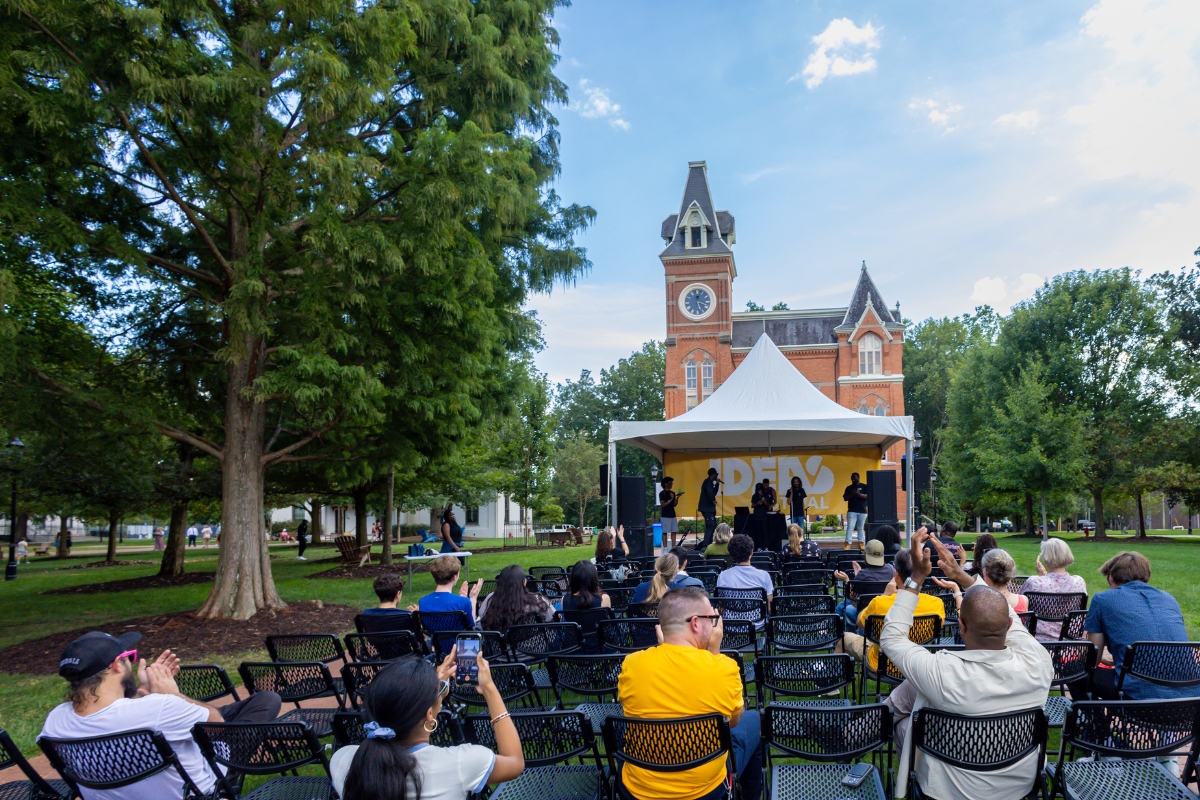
<point>856,521</point>
<point>849,613</point>
<point>747,753</point>
<point>798,519</point>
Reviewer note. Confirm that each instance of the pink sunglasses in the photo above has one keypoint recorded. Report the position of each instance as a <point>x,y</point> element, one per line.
<point>131,654</point>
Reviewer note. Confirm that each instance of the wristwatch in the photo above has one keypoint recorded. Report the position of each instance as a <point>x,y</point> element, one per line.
<point>909,583</point>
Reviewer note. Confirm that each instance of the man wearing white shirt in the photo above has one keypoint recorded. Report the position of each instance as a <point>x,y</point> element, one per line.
<point>1003,669</point>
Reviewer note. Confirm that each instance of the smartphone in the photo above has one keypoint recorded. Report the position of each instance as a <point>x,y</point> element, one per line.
<point>466,657</point>
<point>857,774</point>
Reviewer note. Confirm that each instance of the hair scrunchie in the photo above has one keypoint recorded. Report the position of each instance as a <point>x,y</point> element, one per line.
<point>374,731</point>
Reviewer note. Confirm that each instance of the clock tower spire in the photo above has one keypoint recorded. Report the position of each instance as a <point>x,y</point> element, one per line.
<point>699,267</point>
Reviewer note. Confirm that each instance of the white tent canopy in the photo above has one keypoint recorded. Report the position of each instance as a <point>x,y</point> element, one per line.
<point>765,404</point>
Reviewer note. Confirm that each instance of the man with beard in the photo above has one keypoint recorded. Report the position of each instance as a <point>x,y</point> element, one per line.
<point>108,694</point>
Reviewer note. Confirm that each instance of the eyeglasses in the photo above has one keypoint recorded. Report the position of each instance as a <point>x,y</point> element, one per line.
<point>130,654</point>
<point>712,618</point>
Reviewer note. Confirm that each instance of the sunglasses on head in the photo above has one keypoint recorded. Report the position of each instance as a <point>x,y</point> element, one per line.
<point>130,654</point>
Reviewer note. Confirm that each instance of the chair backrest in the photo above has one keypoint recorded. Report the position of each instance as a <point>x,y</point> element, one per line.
<point>1072,626</point>
<point>864,589</point>
<point>495,647</point>
<point>293,681</point>
<point>796,589</point>
<point>708,578</point>
<point>827,734</point>
<point>1053,606</point>
<point>348,729</point>
<point>553,588</point>
<point>806,575</point>
<point>1017,583</point>
<point>259,748</point>
<point>10,756</point>
<point>983,743</point>
<point>627,635</point>
<point>489,586</point>
<point>594,676</point>
<point>324,647</point>
<point>114,760</point>
<point>1029,620</point>
<point>1172,664</point>
<point>1132,728</point>
<point>386,623</point>
<point>587,618</point>
<point>793,605</point>
<point>742,604</point>
<point>803,676</point>
<point>619,597</point>
<point>888,672</point>
<point>205,682</point>
<point>925,629</point>
<point>546,638</point>
<point>382,646</point>
<point>805,631</point>
<point>649,610</point>
<point>666,745</point>
<point>542,573</point>
<point>547,737</point>
<point>514,681</point>
<point>357,677</point>
<point>1073,661</point>
<point>432,621</point>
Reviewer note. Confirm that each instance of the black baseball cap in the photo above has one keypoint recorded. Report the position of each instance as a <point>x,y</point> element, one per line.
<point>93,652</point>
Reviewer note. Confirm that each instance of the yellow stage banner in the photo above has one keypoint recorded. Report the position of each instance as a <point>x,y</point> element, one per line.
<point>825,476</point>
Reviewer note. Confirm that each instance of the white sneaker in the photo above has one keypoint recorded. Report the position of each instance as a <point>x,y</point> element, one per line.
<point>301,558</point>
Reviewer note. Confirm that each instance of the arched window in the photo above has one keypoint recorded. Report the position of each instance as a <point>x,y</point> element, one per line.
<point>706,377</point>
<point>872,405</point>
<point>690,373</point>
<point>695,234</point>
<point>870,355</point>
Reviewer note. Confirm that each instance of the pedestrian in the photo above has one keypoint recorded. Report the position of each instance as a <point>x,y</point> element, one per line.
<point>302,539</point>
<point>158,539</point>
<point>22,551</point>
<point>192,533</point>
<point>206,534</point>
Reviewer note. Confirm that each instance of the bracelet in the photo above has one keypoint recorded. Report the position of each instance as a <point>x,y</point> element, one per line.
<point>502,716</point>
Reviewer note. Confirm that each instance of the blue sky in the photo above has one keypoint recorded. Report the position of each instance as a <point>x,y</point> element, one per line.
<point>966,151</point>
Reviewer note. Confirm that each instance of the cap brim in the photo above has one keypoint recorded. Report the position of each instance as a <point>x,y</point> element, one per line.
<point>875,561</point>
<point>129,639</point>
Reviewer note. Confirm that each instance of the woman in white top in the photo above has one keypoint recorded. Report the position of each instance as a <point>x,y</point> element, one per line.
<point>397,762</point>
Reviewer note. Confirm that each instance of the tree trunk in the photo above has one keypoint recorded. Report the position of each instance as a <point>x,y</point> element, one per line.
<point>114,519</point>
<point>63,533</point>
<point>314,528</point>
<point>243,584</point>
<point>172,559</point>
<point>1141,526</point>
<point>360,515</point>
<point>1030,527</point>
<point>386,557</point>
<point>1098,500</point>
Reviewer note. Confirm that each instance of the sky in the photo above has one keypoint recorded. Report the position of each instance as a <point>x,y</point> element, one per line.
<point>965,151</point>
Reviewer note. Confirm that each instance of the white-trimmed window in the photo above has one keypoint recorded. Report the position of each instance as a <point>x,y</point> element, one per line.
<point>706,377</point>
<point>694,234</point>
<point>690,374</point>
<point>870,355</point>
<point>873,406</point>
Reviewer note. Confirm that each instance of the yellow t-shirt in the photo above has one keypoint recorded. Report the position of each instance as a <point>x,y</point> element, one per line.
<point>926,604</point>
<point>673,680</point>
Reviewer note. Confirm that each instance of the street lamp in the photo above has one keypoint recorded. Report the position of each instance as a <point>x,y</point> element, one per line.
<point>10,570</point>
<point>933,495</point>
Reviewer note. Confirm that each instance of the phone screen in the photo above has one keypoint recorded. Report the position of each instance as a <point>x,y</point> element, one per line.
<point>466,658</point>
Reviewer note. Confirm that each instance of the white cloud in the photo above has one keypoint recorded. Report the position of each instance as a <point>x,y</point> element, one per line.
<point>598,105</point>
<point>937,112</point>
<point>1020,119</point>
<point>843,48</point>
<point>989,292</point>
<point>1001,292</point>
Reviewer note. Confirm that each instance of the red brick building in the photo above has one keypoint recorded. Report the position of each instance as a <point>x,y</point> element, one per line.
<point>853,353</point>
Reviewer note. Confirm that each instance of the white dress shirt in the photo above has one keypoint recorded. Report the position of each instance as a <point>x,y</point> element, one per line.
<point>968,682</point>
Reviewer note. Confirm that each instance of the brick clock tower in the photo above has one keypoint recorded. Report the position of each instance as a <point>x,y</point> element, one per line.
<point>853,353</point>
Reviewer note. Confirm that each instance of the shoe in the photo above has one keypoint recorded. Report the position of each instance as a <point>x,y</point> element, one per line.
<point>301,558</point>
<point>846,546</point>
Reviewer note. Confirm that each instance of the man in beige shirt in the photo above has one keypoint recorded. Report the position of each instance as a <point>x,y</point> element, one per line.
<point>1003,669</point>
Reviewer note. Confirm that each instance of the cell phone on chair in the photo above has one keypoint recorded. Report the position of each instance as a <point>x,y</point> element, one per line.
<point>857,774</point>
<point>466,657</point>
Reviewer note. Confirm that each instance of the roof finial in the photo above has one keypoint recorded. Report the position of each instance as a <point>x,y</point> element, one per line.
<point>864,265</point>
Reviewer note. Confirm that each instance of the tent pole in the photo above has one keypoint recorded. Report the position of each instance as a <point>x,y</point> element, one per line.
<point>909,521</point>
<point>612,484</point>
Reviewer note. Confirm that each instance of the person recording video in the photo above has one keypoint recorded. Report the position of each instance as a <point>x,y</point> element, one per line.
<point>707,506</point>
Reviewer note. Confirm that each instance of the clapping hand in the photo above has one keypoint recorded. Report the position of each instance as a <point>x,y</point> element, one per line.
<point>950,565</point>
<point>841,576</point>
<point>1041,569</point>
<point>857,567</point>
<point>922,562</point>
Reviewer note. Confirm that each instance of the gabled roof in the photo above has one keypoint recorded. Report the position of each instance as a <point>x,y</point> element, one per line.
<point>696,191</point>
<point>864,291</point>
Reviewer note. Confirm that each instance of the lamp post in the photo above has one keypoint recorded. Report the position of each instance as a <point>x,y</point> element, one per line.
<point>913,480</point>
<point>10,570</point>
<point>933,495</point>
<point>654,481</point>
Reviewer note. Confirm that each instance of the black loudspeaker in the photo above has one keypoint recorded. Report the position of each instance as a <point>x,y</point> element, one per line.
<point>631,502</point>
<point>920,473</point>
<point>640,541</point>
<point>881,495</point>
<point>604,480</point>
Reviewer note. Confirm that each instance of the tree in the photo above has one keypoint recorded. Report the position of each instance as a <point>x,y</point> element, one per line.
<point>314,195</point>
<point>527,445</point>
<point>780,306</point>
<point>577,472</point>
<point>753,306</point>
<point>1181,293</point>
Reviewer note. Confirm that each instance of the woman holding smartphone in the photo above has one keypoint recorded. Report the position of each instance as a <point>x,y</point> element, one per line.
<point>397,762</point>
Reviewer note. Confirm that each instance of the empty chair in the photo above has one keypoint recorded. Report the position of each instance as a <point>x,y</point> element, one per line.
<point>542,573</point>
<point>741,635</point>
<point>514,682</point>
<point>205,682</point>
<point>979,747</point>
<point>589,676</point>
<point>804,633</point>
<point>707,577</point>
<point>382,646</point>
<point>789,589</point>
<point>803,575</point>
<point>797,604</point>
<point>835,738</point>
<point>811,677</point>
<point>265,748</point>
<point>533,643</point>
<point>357,677</point>
<point>666,745</point>
<point>646,610</point>
<point>323,647</point>
<point>1073,663</point>
<point>1072,626</point>
<point>295,682</point>
<point>117,760</point>
<point>34,787</point>
<point>549,741</point>
<point>627,635</point>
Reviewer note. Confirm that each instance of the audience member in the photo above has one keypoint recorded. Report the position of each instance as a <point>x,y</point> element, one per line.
<point>105,696</point>
<point>512,604</point>
<point>998,568</point>
<point>1132,610</point>
<point>606,552</point>
<point>877,570</point>
<point>397,761</point>
<point>799,546</point>
<point>1052,576</point>
<point>666,568</point>
<point>388,588</point>
<point>682,579</point>
<point>927,604</point>
<point>983,543</point>
<point>741,575</point>
<point>720,543</point>
<point>444,570</point>
<point>690,634</point>
<point>949,531</point>
<point>890,538</point>
<point>583,589</point>
<point>1002,669</point>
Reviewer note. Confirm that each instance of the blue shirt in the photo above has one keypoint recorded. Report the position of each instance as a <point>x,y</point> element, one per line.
<point>1137,612</point>
<point>448,601</point>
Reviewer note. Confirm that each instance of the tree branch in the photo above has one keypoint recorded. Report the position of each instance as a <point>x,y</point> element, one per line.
<point>195,441</point>
<point>271,458</point>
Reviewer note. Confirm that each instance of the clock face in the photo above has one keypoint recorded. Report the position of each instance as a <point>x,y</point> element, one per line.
<point>697,301</point>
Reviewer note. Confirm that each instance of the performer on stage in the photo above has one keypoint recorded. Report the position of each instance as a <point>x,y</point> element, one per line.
<point>707,506</point>
<point>856,511</point>
<point>758,502</point>
<point>667,500</point>
<point>796,498</point>
<point>769,494</point>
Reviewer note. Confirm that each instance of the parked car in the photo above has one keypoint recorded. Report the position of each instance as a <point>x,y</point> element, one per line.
<point>1087,525</point>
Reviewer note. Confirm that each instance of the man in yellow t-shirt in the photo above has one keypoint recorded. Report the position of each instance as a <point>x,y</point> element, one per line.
<point>927,604</point>
<point>686,676</point>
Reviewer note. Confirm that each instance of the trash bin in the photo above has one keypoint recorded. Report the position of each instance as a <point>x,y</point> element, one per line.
<point>658,534</point>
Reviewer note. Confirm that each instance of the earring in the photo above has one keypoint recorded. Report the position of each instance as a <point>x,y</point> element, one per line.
<point>429,729</point>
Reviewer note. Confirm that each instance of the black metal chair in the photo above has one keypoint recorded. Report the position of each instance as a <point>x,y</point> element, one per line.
<point>514,681</point>
<point>387,623</point>
<point>552,588</point>
<point>804,633</point>
<point>667,745</point>
<point>981,744</point>
<point>1017,583</point>
<point>435,621</point>
<point>114,761</point>
<point>748,605</point>
<point>587,619</point>
<point>1072,626</point>
<point>589,676</point>
<point>348,729</point>
<point>1125,737</point>
<point>489,586</point>
<point>642,610</point>
<point>357,677</point>
<point>382,646</point>
<point>1054,606</point>
<point>1073,661</point>
<point>888,673</point>
<point>742,636</point>
<point>619,598</point>
<point>627,635</point>
<point>495,648</point>
<point>1029,620</point>
<point>833,737</point>
<point>708,578</point>
<point>542,573</point>
<point>1175,665</point>
<point>795,605</point>
<point>35,787</point>
<point>205,682</point>
<point>265,748</point>
<point>806,575</point>
<point>813,677</point>
<point>323,647</point>
<point>790,589</point>
<point>295,682</point>
<point>531,644</point>
<point>549,740</point>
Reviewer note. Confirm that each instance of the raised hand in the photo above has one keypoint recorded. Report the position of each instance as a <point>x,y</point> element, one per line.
<point>950,565</point>
<point>1041,569</point>
<point>922,561</point>
<point>446,669</point>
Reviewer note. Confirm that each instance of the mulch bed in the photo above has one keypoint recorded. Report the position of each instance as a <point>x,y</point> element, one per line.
<point>91,564</point>
<point>184,634</point>
<point>148,582</point>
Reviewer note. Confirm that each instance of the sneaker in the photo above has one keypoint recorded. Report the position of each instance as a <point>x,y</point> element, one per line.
<point>846,546</point>
<point>301,558</point>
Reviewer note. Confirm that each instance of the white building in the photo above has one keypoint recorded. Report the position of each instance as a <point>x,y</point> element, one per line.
<point>493,520</point>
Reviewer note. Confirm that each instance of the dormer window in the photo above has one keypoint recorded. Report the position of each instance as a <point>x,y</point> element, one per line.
<point>695,232</point>
<point>696,237</point>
